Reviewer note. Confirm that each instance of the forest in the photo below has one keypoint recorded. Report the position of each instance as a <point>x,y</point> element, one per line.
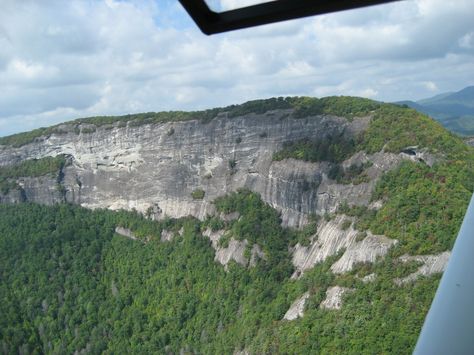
<point>69,283</point>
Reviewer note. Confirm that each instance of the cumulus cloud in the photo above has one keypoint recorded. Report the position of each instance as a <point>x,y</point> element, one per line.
<point>61,60</point>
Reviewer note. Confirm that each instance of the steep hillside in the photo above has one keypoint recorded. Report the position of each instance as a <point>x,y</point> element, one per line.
<point>293,225</point>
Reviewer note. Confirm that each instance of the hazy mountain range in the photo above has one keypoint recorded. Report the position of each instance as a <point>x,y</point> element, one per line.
<point>454,110</point>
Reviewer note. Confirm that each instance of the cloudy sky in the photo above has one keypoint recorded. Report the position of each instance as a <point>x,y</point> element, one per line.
<point>61,60</point>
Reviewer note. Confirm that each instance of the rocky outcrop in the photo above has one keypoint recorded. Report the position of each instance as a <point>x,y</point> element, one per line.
<point>235,250</point>
<point>13,196</point>
<point>296,309</point>
<point>256,253</point>
<point>125,232</point>
<point>469,141</point>
<point>365,251</point>
<point>431,264</point>
<point>166,235</point>
<point>144,167</point>
<point>148,169</point>
<point>419,155</point>
<point>369,278</point>
<point>332,238</point>
<point>334,296</point>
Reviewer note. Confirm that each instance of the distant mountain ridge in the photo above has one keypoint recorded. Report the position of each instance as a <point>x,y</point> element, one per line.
<point>454,110</point>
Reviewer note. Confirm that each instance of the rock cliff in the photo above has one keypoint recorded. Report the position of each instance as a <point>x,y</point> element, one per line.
<point>156,167</point>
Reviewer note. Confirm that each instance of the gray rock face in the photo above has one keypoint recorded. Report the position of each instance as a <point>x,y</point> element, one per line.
<point>166,235</point>
<point>431,264</point>
<point>44,190</point>
<point>419,155</point>
<point>296,309</point>
<point>334,296</point>
<point>469,141</point>
<point>331,239</point>
<point>13,196</point>
<point>365,251</point>
<point>255,254</point>
<point>235,250</point>
<point>146,168</point>
<point>369,278</point>
<point>125,232</point>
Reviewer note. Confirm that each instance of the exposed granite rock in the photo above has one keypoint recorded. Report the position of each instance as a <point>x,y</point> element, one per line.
<point>331,239</point>
<point>469,141</point>
<point>332,194</point>
<point>255,254</point>
<point>365,251</point>
<point>296,309</point>
<point>432,264</point>
<point>376,205</point>
<point>125,232</point>
<point>13,196</point>
<point>229,216</point>
<point>44,189</point>
<point>166,235</point>
<point>145,168</point>
<point>334,296</point>
<point>369,278</point>
<point>416,154</point>
<point>234,251</point>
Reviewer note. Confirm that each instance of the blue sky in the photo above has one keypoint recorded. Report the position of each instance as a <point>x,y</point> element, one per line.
<point>61,60</point>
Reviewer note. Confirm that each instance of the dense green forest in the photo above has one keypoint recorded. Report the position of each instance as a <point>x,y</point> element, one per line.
<point>69,283</point>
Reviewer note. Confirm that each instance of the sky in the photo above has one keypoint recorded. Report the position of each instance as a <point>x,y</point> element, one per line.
<point>61,60</point>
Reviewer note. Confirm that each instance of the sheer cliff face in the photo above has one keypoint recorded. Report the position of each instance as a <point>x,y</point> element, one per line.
<point>155,168</point>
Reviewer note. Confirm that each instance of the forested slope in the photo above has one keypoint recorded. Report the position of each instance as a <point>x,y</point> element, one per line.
<point>70,284</point>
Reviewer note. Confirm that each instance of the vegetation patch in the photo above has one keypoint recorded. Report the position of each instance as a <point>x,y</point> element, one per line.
<point>29,168</point>
<point>354,174</point>
<point>232,164</point>
<point>346,224</point>
<point>307,234</point>
<point>424,206</point>
<point>334,148</point>
<point>360,236</point>
<point>198,194</point>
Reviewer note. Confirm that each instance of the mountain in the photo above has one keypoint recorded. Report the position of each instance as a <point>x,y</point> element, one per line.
<point>287,225</point>
<point>454,110</point>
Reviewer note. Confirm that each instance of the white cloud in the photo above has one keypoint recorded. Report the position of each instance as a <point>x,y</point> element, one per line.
<point>369,93</point>
<point>61,60</point>
<point>430,86</point>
